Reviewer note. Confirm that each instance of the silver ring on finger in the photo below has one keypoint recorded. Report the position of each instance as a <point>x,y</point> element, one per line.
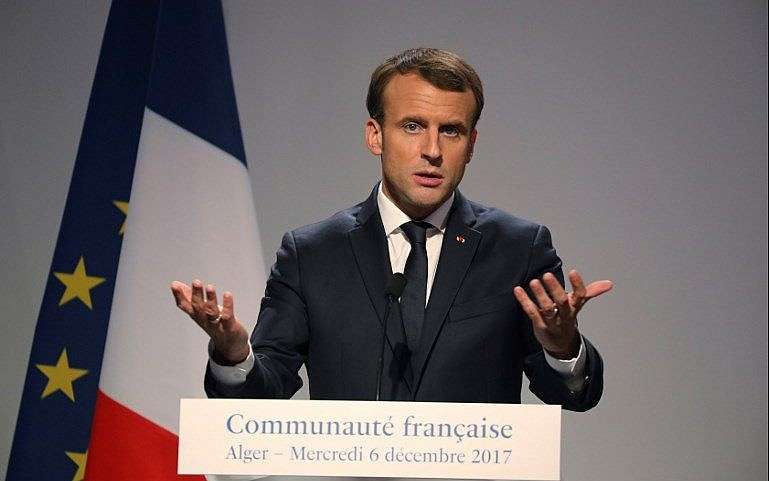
<point>214,319</point>
<point>550,314</point>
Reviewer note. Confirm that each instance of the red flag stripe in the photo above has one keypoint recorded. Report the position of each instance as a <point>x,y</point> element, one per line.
<point>126,446</point>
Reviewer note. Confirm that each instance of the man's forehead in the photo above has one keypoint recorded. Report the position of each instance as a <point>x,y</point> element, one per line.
<point>410,94</point>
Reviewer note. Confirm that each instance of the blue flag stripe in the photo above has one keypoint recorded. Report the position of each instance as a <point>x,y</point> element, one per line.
<point>191,82</point>
<point>103,172</point>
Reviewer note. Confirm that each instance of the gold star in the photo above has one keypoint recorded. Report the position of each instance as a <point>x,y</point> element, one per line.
<point>79,284</point>
<point>61,376</point>
<point>123,206</point>
<point>79,459</point>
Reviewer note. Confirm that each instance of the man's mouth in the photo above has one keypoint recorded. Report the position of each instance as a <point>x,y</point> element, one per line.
<point>428,179</point>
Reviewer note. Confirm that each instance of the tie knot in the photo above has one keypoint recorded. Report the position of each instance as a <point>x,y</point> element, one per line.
<point>416,231</point>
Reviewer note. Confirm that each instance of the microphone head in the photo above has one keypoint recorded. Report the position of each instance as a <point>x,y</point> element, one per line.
<point>395,285</point>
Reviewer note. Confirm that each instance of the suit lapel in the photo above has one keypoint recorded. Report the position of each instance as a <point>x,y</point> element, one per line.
<point>460,242</point>
<point>369,246</point>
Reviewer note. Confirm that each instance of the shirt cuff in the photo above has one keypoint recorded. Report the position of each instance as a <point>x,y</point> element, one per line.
<point>231,376</point>
<point>571,370</point>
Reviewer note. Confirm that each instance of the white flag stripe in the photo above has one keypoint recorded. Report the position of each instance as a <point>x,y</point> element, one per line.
<point>191,215</point>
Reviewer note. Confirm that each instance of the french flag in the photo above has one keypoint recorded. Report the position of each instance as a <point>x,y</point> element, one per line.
<point>160,191</point>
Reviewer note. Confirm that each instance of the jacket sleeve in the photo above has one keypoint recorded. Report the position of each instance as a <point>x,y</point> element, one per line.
<point>544,381</point>
<point>280,338</point>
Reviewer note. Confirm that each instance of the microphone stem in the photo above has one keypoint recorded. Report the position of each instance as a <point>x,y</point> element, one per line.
<point>382,350</point>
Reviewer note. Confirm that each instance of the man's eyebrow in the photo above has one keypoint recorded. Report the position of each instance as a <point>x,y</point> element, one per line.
<point>412,118</point>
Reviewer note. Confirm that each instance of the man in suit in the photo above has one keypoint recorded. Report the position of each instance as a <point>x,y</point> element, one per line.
<point>464,329</point>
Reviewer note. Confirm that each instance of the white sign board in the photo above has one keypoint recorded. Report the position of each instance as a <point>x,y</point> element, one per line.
<point>366,438</point>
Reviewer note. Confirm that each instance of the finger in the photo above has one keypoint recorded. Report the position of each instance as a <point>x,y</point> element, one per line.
<point>555,289</point>
<point>198,304</point>
<point>181,293</point>
<point>547,308</point>
<point>228,308</point>
<point>597,288</point>
<point>543,300</point>
<point>579,292</point>
<point>212,305</point>
<point>529,307</point>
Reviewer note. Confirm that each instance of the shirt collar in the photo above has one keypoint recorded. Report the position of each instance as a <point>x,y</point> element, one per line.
<point>393,217</point>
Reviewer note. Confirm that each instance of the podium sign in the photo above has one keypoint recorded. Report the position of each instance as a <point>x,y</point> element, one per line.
<point>366,438</point>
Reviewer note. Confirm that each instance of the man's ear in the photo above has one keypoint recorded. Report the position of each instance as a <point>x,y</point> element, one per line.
<point>372,134</point>
<point>471,145</point>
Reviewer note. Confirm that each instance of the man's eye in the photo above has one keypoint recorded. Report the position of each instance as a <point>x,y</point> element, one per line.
<point>411,127</point>
<point>451,131</point>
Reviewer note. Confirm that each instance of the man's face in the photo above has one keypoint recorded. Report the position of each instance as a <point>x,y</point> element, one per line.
<point>425,142</point>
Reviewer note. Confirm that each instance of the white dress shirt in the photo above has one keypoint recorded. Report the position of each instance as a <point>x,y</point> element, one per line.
<point>399,247</point>
<point>398,244</point>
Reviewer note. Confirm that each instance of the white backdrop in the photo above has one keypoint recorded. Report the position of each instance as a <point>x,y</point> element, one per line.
<point>637,131</point>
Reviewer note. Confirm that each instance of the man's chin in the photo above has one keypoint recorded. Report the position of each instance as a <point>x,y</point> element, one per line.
<point>427,205</point>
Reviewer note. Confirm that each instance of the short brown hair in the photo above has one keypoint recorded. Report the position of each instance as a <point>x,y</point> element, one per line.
<point>443,69</point>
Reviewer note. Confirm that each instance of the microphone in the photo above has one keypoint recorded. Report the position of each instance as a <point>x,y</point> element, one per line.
<point>393,291</point>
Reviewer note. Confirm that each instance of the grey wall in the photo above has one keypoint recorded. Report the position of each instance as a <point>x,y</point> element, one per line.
<point>637,131</point>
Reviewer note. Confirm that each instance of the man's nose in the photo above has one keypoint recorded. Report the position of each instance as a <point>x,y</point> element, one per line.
<point>431,149</point>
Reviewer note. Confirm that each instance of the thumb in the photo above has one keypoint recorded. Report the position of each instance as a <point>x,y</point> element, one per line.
<point>595,289</point>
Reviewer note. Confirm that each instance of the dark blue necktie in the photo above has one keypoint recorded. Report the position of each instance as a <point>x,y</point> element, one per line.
<point>414,296</point>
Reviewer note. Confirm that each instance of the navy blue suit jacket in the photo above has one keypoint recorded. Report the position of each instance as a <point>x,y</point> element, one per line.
<point>324,303</point>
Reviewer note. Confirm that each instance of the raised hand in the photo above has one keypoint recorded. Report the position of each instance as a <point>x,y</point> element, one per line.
<point>229,335</point>
<point>554,315</point>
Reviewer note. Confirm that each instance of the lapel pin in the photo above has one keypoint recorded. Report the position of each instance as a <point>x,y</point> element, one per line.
<point>461,239</point>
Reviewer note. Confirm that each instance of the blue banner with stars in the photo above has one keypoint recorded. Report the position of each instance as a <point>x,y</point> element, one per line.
<point>54,422</point>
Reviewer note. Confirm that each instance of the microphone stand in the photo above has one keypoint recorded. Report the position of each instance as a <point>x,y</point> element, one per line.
<point>394,290</point>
